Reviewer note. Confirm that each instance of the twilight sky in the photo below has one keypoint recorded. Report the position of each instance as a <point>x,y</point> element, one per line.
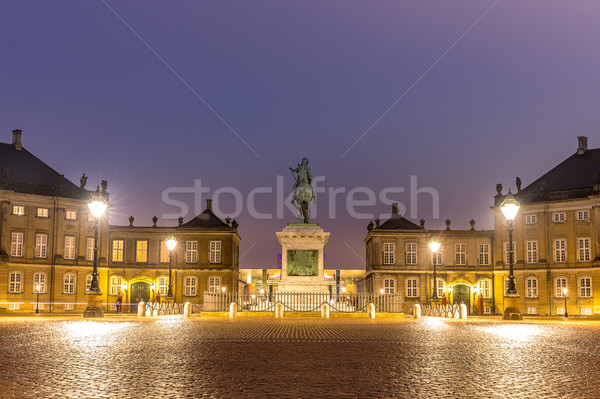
<point>154,96</point>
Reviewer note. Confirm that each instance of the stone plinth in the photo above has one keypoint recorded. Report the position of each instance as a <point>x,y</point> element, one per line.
<point>302,258</point>
<point>511,307</point>
<point>94,306</point>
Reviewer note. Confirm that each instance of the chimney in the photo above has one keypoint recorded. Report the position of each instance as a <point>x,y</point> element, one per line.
<point>394,208</point>
<point>581,145</point>
<point>17,139</point>
<point>209,204</point>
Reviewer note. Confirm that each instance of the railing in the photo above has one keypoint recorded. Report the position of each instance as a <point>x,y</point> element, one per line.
<point>303,302</point>
<point>163,308</point>
<point>440,310</point>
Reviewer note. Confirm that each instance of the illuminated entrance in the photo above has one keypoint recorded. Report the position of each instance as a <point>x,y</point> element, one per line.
<point>140,291</point>
<point>462,294</point>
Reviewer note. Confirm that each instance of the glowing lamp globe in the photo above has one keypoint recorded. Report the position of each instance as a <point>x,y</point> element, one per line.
<point>171,243</point>
<point>510,207</point>
<point>97,206</point>
<point>434,246</point>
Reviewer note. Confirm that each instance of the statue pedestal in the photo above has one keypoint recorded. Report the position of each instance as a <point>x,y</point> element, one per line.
<point>302,258</point>
<point>94,306</point>
<point>511,307</point>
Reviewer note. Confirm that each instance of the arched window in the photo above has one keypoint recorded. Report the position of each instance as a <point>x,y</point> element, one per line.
<point>69,283</point>
<point>560,283</point>
<point>585,287</point>
<point>531,287</point>
<point>40,278</point>
<point>15,281</point>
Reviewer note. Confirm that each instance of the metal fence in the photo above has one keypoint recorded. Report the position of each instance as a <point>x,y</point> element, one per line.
<point>440,310</point>
<point>163,308</point>
<point>303,302</point>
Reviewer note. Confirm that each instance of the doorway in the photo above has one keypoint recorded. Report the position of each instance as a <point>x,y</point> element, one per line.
<point>462,294</point>
<point>140,291</point>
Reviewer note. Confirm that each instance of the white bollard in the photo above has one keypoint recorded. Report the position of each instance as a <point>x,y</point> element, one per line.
<point>463,311</point>
<point>325,311</point>
<point>141,309</point>
<point>187,309</point>
<point>417,311</point>
<point>232,309</point>
<point>371,311</point>
<point>455,312</point>
<point>279,310</point>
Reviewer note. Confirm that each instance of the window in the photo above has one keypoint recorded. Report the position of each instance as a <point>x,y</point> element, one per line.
<point>164,252</point>
<point>508,252</point>
<point>411,254</point>
<point>70,214</point>
<point>14,306</point>
<point>484,254</point>
<point>214,284</point>
<point>90,217</point>
<point>89,248</point>
<point>585,287</point>
<point>560,250</point>
<point>16,244</point>
<point>583,215</point>
<point>39,305</point>
<point>41,245</point>
<point>141,251</point>
<point>530,219</point>
<point>388,253</point>
<point>485,288</point>
<point>487,310</point>
<point>163,285</point>
<point>437,258</point>
<point>69,283</point>
<point>42,212</point>
<point>68,306</point>
<point>559,217</point>
<point>389,285</point>
<point>440,288</point>
<point>191,251</point>
<point>585,311</point>
<point>412,290</point>
<point>560,310</point>
<point>18,210</point>
<point>39,279</point>
<point>88,281</point>
<point>15,280</point>
<point>532,252</point>
<point>531,310</point>
<point>117,250</point>
<point>531,287</point>
<point>461,254</point>
<point>115,284</point>
<point>559,284</point>
<point>583,245</point>
<point>190,286</point>
<point>215,252</point>
<point>69,247</point>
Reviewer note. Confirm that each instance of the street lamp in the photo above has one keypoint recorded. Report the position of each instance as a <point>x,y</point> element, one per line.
<point>97,206</point>
<point>37,306</point>
<point>381,291</point>
<point>510,208</point>
<point>565,295</point>
<point>171,243</point>
<point>435,247</point>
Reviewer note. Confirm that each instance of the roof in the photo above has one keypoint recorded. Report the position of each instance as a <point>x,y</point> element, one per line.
<point>28,174</point>
<point>206,219</point>
<point>397,222</point>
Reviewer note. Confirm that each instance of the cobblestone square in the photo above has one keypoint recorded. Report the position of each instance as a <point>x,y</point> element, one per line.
<point>172,357</point>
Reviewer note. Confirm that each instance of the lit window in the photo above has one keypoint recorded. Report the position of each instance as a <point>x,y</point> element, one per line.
<point>115,284</point>
<point>530,219</point>
<point>18,210</point>
<point>389,285</point>
<point>532,310</point>
<point>190,286</point>
<point>69,247</point>
<point>485,288</point>
<point>559,217</point>
<point>163,285</point>
<point>388,253</point>
<point>214,284</point>
<point>88,281</point>
<point>14,306</point>
<point>39,279</point>
<point>68,306</point>
<point>117,250</point>
<point>440,288</point>
<point>560,250</point>
<point>531,287</point>
<point>412,290</point>
<point>508,252</point>
<point>585,311</point>
<point>141,251</point>
<point>164,252</point>
<point>71,214</point>
<point>42,212</point>
<point>191,251</point>
<point>560,283</point>
<point>16,244</point>
<point>583,215</point>
<point>14,282</point>
<point>487,310</point>
<point>411,254</point>
<point>560,310</point>
<point>69,283</point>
<point>215,252</point>
<point>532,252</point>
<point>41,245</point>
<point>584,249</point>
<point>484,254</point>
<point>461,254</point>
<point>89,248</point>
<point>585,287</point>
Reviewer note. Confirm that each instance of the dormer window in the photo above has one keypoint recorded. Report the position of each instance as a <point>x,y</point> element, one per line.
<point>559,217</point>
<point>583,215</point>
<point>42,212</point>
<point>18,210</point>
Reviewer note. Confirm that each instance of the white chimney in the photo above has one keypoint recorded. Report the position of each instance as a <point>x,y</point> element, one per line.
<point>581,145</point>
<point>17,139</point>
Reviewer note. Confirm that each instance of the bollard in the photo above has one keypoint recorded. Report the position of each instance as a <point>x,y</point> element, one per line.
<point>325,311</point>
<point>232,309</point>
<point>417,311</point>
<point>279,310</point>
<point>455,312</point>
<point>187,309</point>
<point>148,309</point>
<point>463,311</point>
<point>371,311</point>
<point>141,309</point>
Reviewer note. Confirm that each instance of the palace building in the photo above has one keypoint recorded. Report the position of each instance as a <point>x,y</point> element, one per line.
<point>47,240</point>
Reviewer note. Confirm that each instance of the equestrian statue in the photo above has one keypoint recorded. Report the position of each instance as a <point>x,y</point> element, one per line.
<point>303,193</point>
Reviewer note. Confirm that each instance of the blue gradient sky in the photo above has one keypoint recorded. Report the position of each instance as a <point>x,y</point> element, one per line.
<point>299,79</point>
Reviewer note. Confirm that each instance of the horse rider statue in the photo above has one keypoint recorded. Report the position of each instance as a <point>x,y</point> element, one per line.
<point>303,193</point>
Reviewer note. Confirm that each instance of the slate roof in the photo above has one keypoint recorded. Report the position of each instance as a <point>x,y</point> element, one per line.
<point>397,222</point>
<point>28,174</point>
<point>206,219</point>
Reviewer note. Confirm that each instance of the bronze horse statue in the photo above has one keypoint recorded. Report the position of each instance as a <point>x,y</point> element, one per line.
<point>303,193</point>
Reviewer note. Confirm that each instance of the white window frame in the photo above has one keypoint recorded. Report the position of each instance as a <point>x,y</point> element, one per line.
<point>16,243</point>
<point>191,252</point>
<point>560,250</point>
<point>441,287</point>
<point>141,251</point>
<point>43,212</point>
<point>531,287</point>
<point>69,283</point>
<point>191,286</point>
<point>69,247</point>
<point>40,278</point>
<point>586,311</point>
<point>412,287</point>
<point>18,210</point>
<point>559,217</point>
<point>583,215</point>
<point>214,284</point>
<point>460,252</point>
<point>532,251</point>
<point>69,306</point>
<point>584,285</point>
<point>560,283</point>
<point>88,281</point>
<point>389,285</point>
<point>530,219</point>
<point>15,282</point>
<point>485,287</point>
<point>70,214</point>
<point>215,253</point>
<point>583,249</point>
<point>411,253</point>
<point>389,253</point>
<point>14,306</point>
<point>164,252</point>
<point>41,245</point>
<point>163,285</point>
<point>116,281</point>
<point>484,254</point>
<point>532,310</point>
<point>89,248</point>
<point>560,310</point>
<point>118,250</point>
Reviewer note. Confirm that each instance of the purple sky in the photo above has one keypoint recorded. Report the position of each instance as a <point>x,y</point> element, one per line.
<point>297,79</point>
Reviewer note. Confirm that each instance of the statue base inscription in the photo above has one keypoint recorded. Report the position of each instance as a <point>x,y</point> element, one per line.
<point>302,258</point>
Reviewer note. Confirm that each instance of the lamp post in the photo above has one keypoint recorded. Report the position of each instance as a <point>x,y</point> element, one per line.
<point>97,206</point>
<point>171,243</point>
<point>434,246</point>
<point>37,306</point>
<point>565,295</point>
<point>510,207</point>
